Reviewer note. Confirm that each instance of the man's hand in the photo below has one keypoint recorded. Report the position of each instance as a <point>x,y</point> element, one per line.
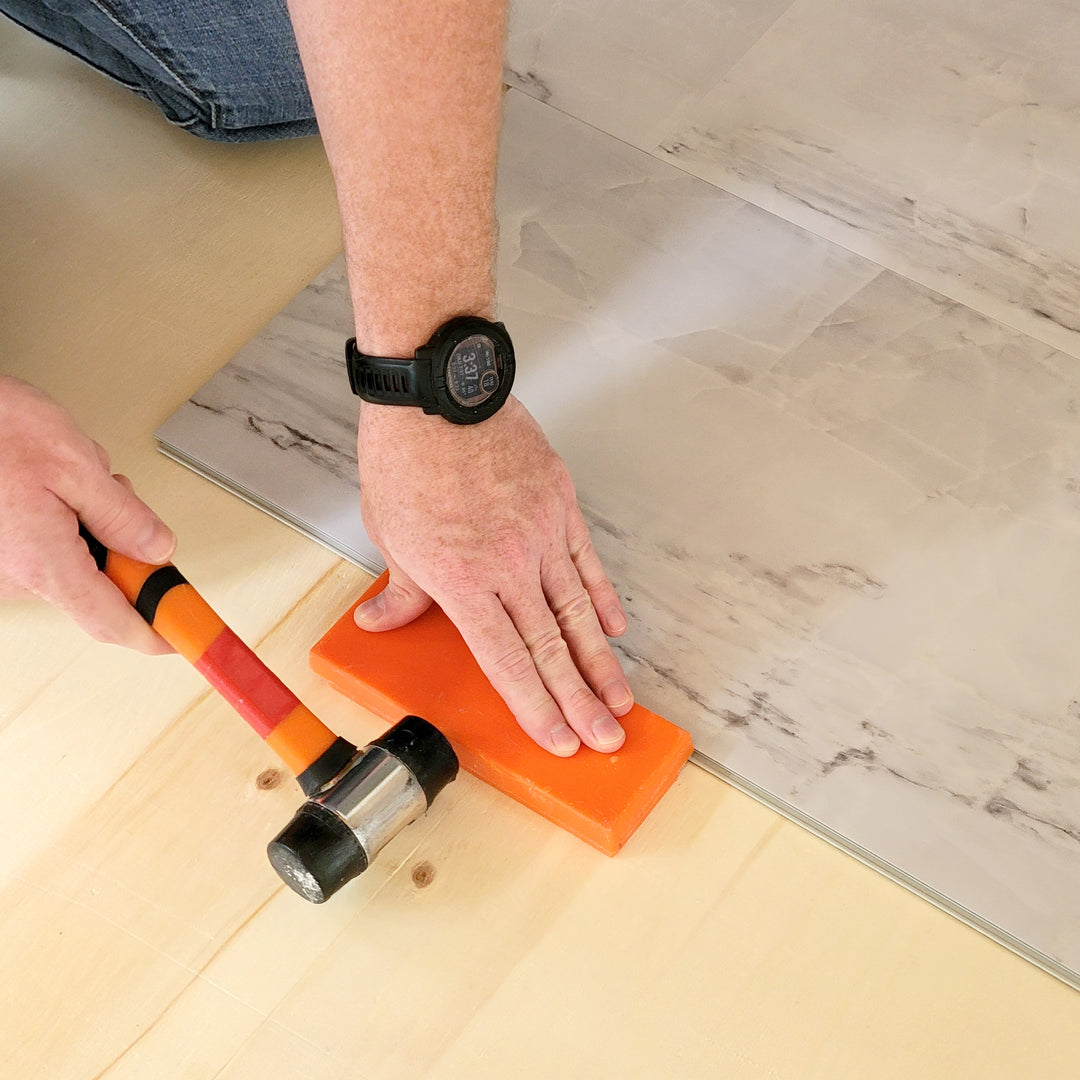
<point>51,477</point>
<point>484,520</point>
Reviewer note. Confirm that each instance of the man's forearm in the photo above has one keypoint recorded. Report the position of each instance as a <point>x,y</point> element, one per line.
<point>480,518</point>
<point>408,97</point>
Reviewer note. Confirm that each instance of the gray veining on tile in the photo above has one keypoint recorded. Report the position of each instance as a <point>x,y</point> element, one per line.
<point>941,141</point>
<point>843,510</point>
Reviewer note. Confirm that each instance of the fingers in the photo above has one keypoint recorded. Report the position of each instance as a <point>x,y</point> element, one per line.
<point>101,610</point>
<point>574,613</point>
<point>605,600</point>
<point>545,654</point>
<point>69,578</point>
<point>51,475</point>
<point>399,603</point>
<point>532,656</point>
<point>549,660</point>
<point>110,509</point>
<point>505,659</point>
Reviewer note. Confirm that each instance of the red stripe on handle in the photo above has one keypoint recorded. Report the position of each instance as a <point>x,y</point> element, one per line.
<point>252,689</point>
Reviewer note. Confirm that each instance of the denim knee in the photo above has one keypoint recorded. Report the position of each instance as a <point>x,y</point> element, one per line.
<point>223,69</point>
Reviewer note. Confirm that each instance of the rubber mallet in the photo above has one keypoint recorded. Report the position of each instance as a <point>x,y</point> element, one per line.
<point>358,799</point>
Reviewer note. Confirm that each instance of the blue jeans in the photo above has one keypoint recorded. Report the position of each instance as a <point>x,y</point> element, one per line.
<point>223,69</point>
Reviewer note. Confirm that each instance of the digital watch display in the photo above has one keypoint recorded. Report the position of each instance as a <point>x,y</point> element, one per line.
<point>464,373</point>
<point>472,372</point>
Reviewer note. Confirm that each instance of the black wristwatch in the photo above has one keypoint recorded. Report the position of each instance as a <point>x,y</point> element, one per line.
<point>464,372</point>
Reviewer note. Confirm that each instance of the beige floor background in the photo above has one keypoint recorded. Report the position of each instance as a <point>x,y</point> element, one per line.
<point>142,934</point>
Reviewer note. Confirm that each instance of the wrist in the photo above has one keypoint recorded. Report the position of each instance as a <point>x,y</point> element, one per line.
<point>463,373</point>
<point>398,420</point>
<point>391,427</point>
<point>399,330</point>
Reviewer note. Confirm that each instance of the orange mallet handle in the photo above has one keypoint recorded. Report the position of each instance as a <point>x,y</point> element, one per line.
<point>163,597</point>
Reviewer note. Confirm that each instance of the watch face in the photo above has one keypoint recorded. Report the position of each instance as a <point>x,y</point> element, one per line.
<point>473,372</point>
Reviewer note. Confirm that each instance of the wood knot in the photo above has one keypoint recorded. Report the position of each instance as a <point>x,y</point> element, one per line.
<point>268,779</point>
<point>423,874</point>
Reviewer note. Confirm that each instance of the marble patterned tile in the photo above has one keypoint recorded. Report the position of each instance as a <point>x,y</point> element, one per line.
<point>843,510</point>
<point>941,141</point>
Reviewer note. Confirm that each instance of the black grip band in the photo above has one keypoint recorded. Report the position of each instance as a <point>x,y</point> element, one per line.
<point>154,588</point>
<point>98,550</point>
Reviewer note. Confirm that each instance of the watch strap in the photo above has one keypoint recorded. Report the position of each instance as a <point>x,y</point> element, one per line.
<point>388,380</point>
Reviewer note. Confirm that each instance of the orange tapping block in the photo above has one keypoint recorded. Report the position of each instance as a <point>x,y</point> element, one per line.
<point>426,669</point>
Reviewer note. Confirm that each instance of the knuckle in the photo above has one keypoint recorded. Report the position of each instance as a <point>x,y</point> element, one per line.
<point>586,560</point>
<point>455,576</point>
<point>33,571</point>
<point>601,661</point>
<point>561,478</point>
<point>71,449</point>
<point>580,700</point>
<point>575,611</point>
<point>400,592</point>
<point>550,649</point>
<point>101,453</point>
<point>121,516</point>
<point>33,576</point>
<point>585,556</point>
<point>102,623</point>
<point>515,666</point>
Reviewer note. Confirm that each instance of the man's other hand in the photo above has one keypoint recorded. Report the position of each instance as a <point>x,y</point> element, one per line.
<point>484,520</point>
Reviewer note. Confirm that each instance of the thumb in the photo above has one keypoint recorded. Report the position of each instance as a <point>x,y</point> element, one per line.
<point>112,511</point>
<point>399,603</point>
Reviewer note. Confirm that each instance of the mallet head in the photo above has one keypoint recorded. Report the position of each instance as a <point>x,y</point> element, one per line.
<point>339,830</point>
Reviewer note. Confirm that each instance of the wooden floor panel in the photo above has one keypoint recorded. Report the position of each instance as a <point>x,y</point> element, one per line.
<point>142,933</point>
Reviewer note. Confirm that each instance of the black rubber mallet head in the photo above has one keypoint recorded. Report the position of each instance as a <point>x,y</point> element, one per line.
<point>339,830</point>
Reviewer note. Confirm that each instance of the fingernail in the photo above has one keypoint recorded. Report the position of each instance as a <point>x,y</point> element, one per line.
<point>616,620</point>
<point>564,740</point>
<point>157,544</point>
<point>370,611</point>
<point>616,696</point>
<point>607,731</point>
